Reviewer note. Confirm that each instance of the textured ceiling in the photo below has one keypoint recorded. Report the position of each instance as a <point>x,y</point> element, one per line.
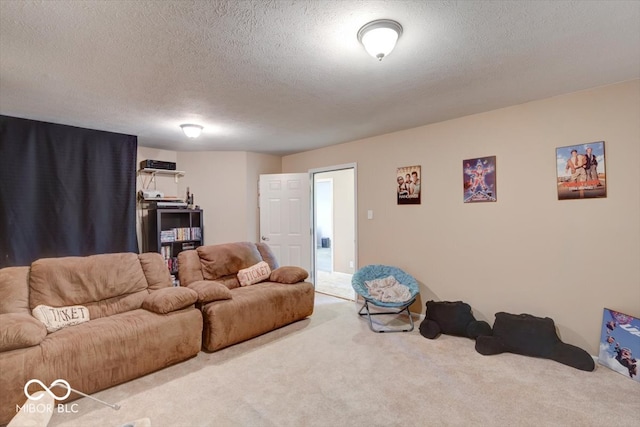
<point>287,76</point>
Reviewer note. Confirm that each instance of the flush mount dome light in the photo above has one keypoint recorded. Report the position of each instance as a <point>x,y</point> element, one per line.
<point>379,37</point>
<point>192,131</point>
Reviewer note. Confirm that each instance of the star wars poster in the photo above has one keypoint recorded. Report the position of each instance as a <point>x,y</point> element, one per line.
<point>409,183</point>
<point>479,180</point>
<point>580,170</point>
<point>620,343</point>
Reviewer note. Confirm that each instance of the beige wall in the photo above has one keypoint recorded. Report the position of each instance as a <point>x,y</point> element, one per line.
<point>224,185</point>
<point>529,252</point>
<point>218,181</point>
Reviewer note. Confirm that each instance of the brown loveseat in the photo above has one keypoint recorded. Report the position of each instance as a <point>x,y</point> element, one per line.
<point>138,323</point>
<point>234,313</point>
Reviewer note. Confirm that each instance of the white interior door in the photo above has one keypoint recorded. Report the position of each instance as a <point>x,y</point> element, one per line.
<point>285,217</point>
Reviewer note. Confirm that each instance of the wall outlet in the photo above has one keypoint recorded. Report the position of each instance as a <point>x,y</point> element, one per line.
<point>350,264</point>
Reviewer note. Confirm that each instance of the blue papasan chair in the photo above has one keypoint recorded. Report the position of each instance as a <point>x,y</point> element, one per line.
<point>372,272</point>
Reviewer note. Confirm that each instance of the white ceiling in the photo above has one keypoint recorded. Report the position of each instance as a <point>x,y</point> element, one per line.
<point>287,76</point>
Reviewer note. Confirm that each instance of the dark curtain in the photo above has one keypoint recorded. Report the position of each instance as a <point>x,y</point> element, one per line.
<point>64,191</point>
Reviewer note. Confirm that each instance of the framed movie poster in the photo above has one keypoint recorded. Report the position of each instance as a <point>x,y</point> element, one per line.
<point>409,182</point>
<point>580,171</point>
<point>620,343</point>
<point>479,180</point>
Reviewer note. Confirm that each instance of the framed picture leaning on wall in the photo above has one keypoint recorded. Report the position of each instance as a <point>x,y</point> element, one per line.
<point>620,343</point>
<point>580,171</point>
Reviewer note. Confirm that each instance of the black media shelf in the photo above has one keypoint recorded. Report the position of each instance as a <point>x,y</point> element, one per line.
<point>171,231</point>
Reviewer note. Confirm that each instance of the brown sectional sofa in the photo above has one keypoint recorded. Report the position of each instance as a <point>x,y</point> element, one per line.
<point>234,313</point>
<point>138,323</point>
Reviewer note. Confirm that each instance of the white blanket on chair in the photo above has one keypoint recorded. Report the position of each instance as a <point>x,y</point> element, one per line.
<point>388,289</point>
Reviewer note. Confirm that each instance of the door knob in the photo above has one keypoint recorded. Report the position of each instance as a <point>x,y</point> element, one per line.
<point>266,239</point>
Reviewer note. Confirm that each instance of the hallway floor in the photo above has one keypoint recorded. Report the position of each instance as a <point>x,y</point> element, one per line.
<point>335,284</point>
<point>331,282</point>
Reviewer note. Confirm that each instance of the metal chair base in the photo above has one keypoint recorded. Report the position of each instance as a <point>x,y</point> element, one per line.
<point>365,306</point>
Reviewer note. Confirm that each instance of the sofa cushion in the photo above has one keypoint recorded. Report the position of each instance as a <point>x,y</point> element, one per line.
<point>254,310</point>
<point>106,284</point>
<point>267,255</point>
<point>222,260</point>
<point>189,267</point>
<point>55,318</point>
<point>289,275</point>
<point>155,270</point>
<point>210,290</point>
<point>255,274</point>
<point>166,300</point>
<point>20,330</point>
<point>14,290</point>
<point>111,350</point>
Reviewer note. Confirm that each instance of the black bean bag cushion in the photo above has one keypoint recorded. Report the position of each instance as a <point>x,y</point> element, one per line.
<point>532,336</point>
<point>452,318</point>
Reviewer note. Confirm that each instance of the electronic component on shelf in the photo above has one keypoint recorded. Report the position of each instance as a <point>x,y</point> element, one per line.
<point>170,204</point>
<point>152,194</point>
<point>157,199</point>
<point>157,164</point>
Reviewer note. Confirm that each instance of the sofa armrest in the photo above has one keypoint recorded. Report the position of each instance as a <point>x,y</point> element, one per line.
<point>20,330</point>
<point>288,275</point>
<point>166,300</point>
<point>210,290</point>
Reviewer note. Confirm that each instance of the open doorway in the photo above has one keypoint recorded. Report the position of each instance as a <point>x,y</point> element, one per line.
<point>334,230</point>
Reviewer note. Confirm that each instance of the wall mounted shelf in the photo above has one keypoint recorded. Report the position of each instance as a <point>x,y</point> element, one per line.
<point>154,172</point>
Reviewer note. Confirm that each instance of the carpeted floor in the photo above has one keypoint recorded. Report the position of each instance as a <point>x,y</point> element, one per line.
<point>331,370</point>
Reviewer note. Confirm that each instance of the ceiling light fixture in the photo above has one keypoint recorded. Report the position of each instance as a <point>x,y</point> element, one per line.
<point>379,37</point>
<point>192,131</point>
